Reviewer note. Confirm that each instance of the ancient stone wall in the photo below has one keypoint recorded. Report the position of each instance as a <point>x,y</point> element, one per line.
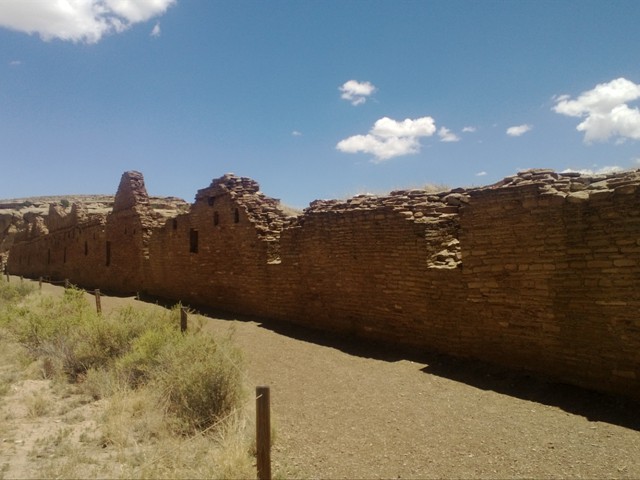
<point>539,272</point>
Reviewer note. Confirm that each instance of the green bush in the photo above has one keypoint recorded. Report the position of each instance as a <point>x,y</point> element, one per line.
<point>137,365</point>
<point>11,293</point>
<point>200,381</point>
<point>197,377</point>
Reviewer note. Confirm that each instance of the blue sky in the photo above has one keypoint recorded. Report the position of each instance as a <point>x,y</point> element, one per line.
<point>313,99</point>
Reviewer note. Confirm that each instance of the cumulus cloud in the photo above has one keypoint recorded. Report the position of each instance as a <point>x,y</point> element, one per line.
<point>296,133</point>
<point>481,174</point>
<point>356,92</point>
<point>77,20</point>
<point>600,171</point>
<point>518,130</point>
<point>605,111</point>
<point>447,135</point>
<point>390,138</point>
<point>15,63</point>
<point>469,129</point>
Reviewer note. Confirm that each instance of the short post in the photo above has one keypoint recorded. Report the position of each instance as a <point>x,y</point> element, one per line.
<point>263,433</point>
<point>98,304</point>
<point>8,279</point>
<point>183,319</point>
<point>40,283</point>
<point>66,283</point>
<point>21,279</point>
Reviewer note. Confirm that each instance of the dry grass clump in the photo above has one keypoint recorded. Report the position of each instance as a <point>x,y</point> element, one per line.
<point>172,404</point>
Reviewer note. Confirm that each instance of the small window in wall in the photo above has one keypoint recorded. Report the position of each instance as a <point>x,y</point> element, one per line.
<point>236,216</point>
<point>216,218</point>
<point>108,252</point>
<point>211,201</point>
<point>175,224</point>
<point>193,240</point>
<point>86,248</point>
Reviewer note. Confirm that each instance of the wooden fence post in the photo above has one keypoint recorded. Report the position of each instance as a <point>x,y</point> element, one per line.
<point>40,283</point>
<point>21,279</point>
<point>263,433</point>
<point>98,304</point>
<point>183,319</point>
<point>8,279</point>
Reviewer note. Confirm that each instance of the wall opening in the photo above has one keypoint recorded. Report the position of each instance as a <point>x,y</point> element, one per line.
<point>193,240</point>
<point>64,255</point>
<point>108,252</point>
<point>175,224</point>
<point>236,216</point>
<point>216,218</point>
<point>211,201</point>
<point>86,248</point>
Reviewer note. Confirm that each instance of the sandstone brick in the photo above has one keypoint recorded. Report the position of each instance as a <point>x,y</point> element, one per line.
<point>517,272</point>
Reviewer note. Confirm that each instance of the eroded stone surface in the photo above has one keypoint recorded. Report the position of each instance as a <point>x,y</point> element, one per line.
<point>538,271</point>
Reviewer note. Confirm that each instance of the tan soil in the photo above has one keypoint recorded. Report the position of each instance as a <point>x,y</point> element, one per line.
<point>341,410</point>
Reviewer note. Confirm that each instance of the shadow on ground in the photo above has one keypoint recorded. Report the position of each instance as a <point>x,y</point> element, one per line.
<point>594,406</point>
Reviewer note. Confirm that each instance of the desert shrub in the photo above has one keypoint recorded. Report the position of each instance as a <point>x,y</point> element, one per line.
<point>137,365</point>
<point>155,382</point>
<point>200,381</point>
<point>69,333</point>
<point>11,293</point>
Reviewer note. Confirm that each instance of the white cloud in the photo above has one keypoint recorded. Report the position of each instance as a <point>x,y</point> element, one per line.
<point>156,30</point>
<point>389,138</point>
<point>296,133</point>
<point>600,171</point>
<point>469,129</point>
<point>420,127</point>
<point>15,63</point>
<point>77,20</point>
<point>605,111</point>
<point>356,92</point>
<point>518,130</point>
<point>447,135</point>
<point>481,174</point>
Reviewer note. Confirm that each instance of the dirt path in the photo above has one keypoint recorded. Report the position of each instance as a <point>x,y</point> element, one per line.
<point>345,411</point>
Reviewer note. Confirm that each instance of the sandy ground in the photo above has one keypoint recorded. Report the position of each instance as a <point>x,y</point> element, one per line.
<point>344,410</point>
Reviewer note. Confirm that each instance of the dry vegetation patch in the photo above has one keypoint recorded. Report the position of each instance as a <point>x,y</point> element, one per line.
<point>124,395</point>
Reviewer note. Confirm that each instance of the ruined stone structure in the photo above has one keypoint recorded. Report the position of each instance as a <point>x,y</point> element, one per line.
<point>538,272</point>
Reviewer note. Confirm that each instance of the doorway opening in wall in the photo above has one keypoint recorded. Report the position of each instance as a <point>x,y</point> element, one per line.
<point>86,248</point>
<point>236,216</point>
<point>193,240</point>
<point>216,218</point>
<point>108,252</point>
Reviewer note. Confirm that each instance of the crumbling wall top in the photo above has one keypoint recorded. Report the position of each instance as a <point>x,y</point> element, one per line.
<point>131,192</point>
<point>264,212</point>
<point>575,186</point>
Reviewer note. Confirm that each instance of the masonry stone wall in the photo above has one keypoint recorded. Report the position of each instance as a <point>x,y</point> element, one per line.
<point>538,272</point>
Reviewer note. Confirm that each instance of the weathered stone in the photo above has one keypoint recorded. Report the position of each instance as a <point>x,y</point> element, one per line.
<point>520,272</point>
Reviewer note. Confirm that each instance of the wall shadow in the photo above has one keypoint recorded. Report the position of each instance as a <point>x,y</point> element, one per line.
<point>594,406</point>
